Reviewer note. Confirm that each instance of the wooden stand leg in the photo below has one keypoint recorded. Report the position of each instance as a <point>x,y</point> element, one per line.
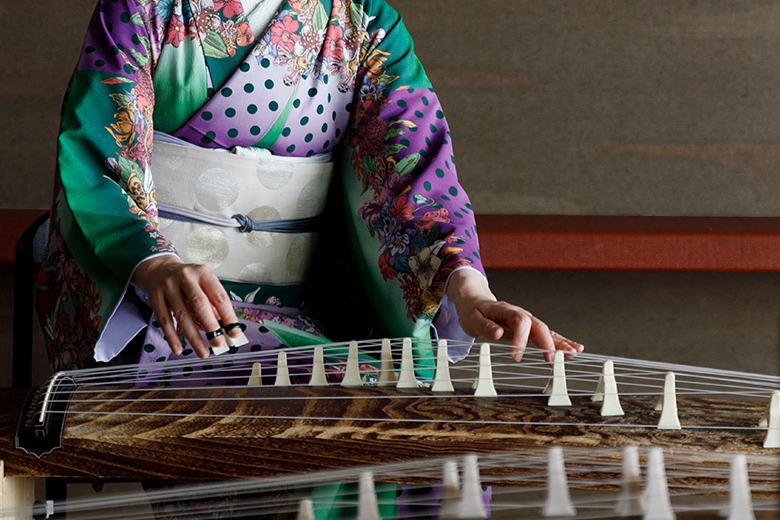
<point>16,492</point>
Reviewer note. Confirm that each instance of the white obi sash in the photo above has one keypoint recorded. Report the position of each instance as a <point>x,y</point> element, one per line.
<point>210,201</point>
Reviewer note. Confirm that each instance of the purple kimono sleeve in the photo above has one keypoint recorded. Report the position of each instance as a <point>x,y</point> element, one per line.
<point>412,219</point>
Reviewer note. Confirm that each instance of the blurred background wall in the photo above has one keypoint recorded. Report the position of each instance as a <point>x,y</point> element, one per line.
<point>654,107</point>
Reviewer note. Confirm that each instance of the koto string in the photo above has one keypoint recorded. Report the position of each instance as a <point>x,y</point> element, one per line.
<point>635,378</point>
<point>587,461</point>
<point>682,384</point>
<point>682,389</point>
<point>94,376</point>
<point>502,500</point>
<point>583,358</point>
<point>717,384</point>
<point>313,397</point>
<point>408,420</point>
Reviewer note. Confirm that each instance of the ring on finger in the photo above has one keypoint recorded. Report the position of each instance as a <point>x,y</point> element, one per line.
<point>231,326</point>
<point>213,334</point>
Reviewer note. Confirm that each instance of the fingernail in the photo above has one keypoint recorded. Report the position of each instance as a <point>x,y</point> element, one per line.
<point>176,349</point>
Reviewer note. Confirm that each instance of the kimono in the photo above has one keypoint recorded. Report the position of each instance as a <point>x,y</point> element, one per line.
<point>323,76</point>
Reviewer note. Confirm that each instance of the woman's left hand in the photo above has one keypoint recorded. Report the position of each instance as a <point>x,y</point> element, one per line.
<point>481,315</point>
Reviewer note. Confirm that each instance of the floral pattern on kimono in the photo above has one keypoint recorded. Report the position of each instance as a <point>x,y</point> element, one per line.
<point>325,76</point>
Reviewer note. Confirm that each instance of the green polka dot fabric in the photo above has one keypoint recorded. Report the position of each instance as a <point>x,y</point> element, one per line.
<point>294,93</point>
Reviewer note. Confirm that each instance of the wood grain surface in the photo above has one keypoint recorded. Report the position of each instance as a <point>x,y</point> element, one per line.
<point>244,433</point>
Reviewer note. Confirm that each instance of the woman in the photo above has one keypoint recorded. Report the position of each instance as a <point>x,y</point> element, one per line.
<point>301,79</point>
<point>305,80</point>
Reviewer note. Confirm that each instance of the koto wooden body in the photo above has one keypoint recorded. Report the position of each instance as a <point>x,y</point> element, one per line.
<point>234,432</point>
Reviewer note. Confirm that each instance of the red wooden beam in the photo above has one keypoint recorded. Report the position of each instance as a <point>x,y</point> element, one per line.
<point>14,222</point>
<point>630,242</point>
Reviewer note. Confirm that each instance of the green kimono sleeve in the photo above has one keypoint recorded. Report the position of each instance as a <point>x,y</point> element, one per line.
<point>104,213</point>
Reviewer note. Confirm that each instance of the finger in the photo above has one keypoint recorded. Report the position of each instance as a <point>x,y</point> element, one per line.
<point>519,324</point>
<point>199,303</point>
<point>541,337</point>
<point>222,307</point>
<point>187,326</point>
<point>517,353</point>
<point>163,315</point>
<point>190,331</point>
<point>572,348</point>
<point>521,333</point>
<point>478,326</point>
<point>515,322</point>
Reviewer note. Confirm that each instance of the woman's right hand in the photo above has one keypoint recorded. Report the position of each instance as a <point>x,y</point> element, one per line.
<point>183,290</point>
